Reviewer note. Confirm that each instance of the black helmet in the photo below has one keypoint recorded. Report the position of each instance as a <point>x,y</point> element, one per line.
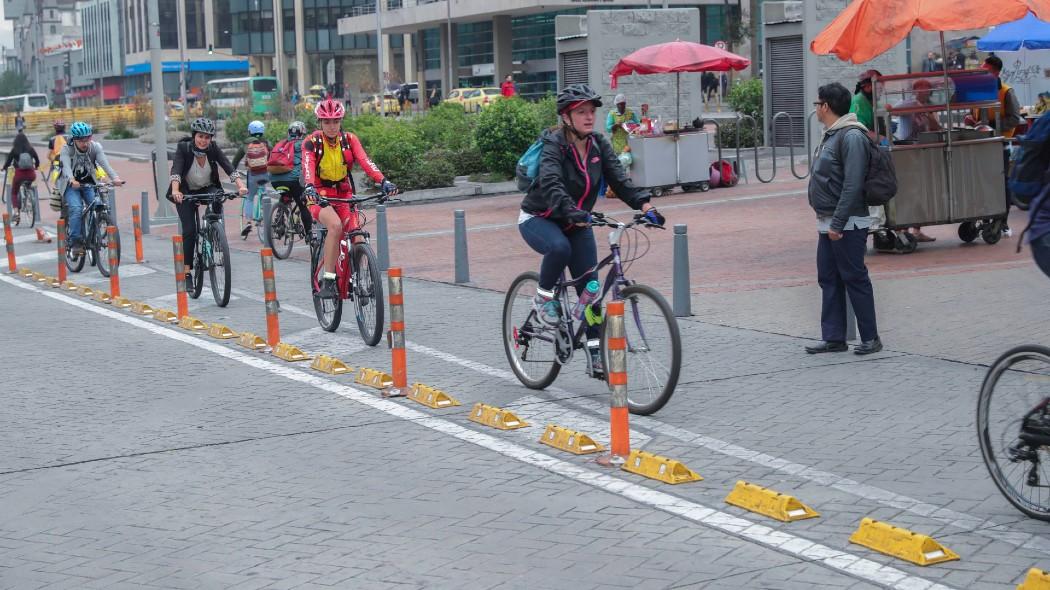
<point>203,125</point>
<point>576,93</point>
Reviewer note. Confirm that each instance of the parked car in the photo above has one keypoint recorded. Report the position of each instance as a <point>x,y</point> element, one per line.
<point>480,98</point>
<point>413,91</point>
<point>372,104</point>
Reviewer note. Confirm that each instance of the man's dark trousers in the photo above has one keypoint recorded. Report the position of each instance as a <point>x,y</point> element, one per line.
<point>841,270</point>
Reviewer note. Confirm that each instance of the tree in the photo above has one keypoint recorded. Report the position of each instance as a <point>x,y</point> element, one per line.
<point>12,83</point>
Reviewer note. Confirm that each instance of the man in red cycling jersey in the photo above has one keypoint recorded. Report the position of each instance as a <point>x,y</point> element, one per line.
<point>328,157</point>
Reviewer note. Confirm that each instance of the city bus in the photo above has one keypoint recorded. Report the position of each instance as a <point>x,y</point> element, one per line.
<point>26,103</point>
<point>227,95</point>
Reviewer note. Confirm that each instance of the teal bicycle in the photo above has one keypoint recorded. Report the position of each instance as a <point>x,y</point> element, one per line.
<point>212,252</point>
<point>253,210</point>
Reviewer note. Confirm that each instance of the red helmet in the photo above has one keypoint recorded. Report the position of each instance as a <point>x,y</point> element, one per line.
<point>329,109</point>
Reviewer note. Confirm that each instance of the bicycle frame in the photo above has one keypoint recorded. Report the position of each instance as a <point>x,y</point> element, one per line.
<point>344,265</point>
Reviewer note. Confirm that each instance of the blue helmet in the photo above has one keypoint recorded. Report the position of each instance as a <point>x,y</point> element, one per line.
<point>256,128</point>
<point>80,130</point>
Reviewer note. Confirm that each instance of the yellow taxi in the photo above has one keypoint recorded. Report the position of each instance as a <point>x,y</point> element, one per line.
<point>372,105</point>
<point>480,98</point>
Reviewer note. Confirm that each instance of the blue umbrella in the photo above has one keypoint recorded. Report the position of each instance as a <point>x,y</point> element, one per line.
<point>1027,33</point>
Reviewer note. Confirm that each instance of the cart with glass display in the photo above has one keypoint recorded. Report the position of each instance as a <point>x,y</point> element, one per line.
<point>945,173</point>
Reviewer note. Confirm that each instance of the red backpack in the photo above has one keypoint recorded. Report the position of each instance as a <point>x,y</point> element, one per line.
<point>282,157</point>
<point>255,156</point>
<point>723,174</point>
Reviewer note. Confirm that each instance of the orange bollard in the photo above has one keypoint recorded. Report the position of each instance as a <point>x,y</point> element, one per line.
<point>42,237</point>
<point>12,266</point>
<point>397,336</point>
<point>61,251</point>
<point>114,262</point>
<point>136,217</point>
<point>180,278</point>
<point>620,433</point>
<point>273,325</point>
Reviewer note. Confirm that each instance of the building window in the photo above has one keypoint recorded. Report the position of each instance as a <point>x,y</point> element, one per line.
<point>195,26</point>
<point>431,39</point>
<point>169,13</point>
<point>475,43</point>
<point>54,29</point>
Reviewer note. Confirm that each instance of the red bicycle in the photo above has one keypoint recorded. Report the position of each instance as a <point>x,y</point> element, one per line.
<point>357,274</point>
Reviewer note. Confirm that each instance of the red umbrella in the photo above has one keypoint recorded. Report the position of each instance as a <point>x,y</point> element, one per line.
<point>676,57</point>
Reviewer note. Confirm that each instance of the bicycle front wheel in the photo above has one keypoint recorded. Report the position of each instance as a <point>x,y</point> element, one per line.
<point>219,267</point>
<point>282,236</point>
<point>654,349</point>
<point>201,262</point>
<point>1013,427</point>
<point>368,294</point>
<point>329,311</point>
<point>101,248</point>
<point>75,263</point>
<point>529,344</point>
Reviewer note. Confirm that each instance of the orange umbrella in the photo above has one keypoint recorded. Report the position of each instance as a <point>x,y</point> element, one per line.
<point>868,28</point>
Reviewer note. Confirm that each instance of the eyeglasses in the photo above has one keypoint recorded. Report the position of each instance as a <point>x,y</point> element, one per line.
<point>819,103</point>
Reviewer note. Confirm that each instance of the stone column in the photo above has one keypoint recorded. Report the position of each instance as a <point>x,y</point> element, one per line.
<point>410,58</point>
<point>501,47</point>
<point>446,69</point>
<point>300,47</point>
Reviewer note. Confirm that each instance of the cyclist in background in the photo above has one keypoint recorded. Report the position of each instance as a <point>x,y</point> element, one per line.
<point>26,161</point>
<point>80,160</point>
<point>290,180</point>
<point>255,152</point>
<point>555,214</point>
<point>54,146</point>
<point>328,157</point>
<point>195,171</point>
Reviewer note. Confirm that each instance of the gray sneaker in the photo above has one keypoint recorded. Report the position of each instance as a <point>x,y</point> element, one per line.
<point>547,310</point>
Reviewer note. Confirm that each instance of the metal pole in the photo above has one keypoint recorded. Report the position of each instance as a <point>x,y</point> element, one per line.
<point>681,272</point>
<point>145,213</point>
<point>160,141</point>
<point>267,207</point>
<point>448,26</point>
<point>948,136</point>
<point>382,240</point>
<point>462,264</point>
<point>181,15</point>
<point>379,55</point>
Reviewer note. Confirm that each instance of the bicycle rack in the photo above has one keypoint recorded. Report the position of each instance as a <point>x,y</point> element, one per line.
<point>754,125</point>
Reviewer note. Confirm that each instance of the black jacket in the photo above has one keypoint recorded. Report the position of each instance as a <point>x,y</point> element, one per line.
<point>184,159</point>
<point>564,183</point>
<point>12,157</point>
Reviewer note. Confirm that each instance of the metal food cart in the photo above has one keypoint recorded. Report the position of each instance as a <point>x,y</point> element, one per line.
<point>943,176</point>
<point>659,164</point>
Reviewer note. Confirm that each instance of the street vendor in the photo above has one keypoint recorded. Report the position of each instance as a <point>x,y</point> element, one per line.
<point>615,121</point>
<point>911,124</point>
<point>861,104</point>
<point>1008,115</point>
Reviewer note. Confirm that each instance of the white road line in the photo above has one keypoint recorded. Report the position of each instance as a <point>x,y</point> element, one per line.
<point>540,412</point>
<point>31,236</point>
<point>35,256</point>
<point>843,561</point>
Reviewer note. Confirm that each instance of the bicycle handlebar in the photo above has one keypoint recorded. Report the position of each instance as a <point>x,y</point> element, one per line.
<point>603,220</point>
<point>210,197</point>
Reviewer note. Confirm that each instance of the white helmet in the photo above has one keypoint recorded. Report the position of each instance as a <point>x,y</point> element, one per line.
<point>620,99</point>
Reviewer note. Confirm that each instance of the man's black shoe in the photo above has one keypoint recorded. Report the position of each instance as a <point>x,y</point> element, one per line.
<point>868,347</point>
<point>827,347</point>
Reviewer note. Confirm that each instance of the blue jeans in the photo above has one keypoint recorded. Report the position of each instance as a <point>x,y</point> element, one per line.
<point>574,249</point>
<point>841,270</point>
<point>255,180</point>
<point>76,200</point>
<point>1041,252</point>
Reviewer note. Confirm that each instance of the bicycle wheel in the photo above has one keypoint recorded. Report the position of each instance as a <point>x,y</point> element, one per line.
<point>200,263</point>
<point>654,349</point>
<point>219,265</point>
<point>101,247</point>
<point>74,263</point>
<point>329,311</point>
<point>257,217</point>
<point>1013,427</point>
<point>282,236</point>
<point>367,284</point>
<point>27,213</point>
<point>529,344</point>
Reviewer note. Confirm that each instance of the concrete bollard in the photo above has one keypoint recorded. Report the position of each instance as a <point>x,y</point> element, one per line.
<point>145,213</point>
<point>382,239</point>
<point>462,262</point>
<point>682,303</point>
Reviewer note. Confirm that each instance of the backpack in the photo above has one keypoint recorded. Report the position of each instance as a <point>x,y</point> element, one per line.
<point>723,174</point>
<point>282,157</point>
<point>255,157</point>
<point>1028,174</point>
<point>25,161</point>
<point>880,183</point>
<point>317,140</point>
<point>528,167</point>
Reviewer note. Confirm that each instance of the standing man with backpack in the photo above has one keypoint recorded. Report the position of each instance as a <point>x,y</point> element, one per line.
<point>836,193</point>
<point>285,168</point>
<point>256,153</point>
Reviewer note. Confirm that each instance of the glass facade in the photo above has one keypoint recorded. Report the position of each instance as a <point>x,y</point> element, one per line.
<point>195,31</point>
<point>475,43</point>
<point>169,13</point>
<point>431,40</point>
<point>252,26</point>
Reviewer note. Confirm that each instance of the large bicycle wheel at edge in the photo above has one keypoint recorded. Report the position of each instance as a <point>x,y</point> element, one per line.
<point>368,294</point>
<point>529,345</point>
<point>654,349</point>
<point>1015,385</point>
<point>101,248</point>
<point>219,269</point>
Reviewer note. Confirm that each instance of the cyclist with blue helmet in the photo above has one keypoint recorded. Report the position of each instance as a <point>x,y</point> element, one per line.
<point>290,180</point>
<point>80,159</point>
<point>255,152</point>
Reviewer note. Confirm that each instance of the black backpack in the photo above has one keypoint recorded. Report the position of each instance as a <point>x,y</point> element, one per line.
<point>880,183</point>
<point>1028,175</point>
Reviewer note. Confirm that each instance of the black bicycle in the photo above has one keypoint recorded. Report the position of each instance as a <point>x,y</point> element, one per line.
<point>286,224</point>
<point>211,252</point>
<point>357,274</point>
<point>26,215</point>
<point>537,351</point>
<point>95,219</point>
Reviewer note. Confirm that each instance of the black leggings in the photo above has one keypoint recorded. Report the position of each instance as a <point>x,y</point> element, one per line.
<point>188,217</point>
<point>296,191</point>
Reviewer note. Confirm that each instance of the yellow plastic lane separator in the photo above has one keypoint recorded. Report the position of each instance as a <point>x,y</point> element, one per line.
<point>1036,579</point>
<point>570,441</point>
<point>192,324</point>
<point>330,365</point>
<point>496,417</point>
<point>431,397</point>
<point>769,503</point>
<point>251,341</point>
<point>373,378</point>
<point>142,308</point>
<point>659,468</point>
<point>289,352</point>
<point>901,543</point>
<point>221,332</point>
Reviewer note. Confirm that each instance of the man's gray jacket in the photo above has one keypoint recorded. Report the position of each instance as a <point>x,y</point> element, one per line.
<point>836,186</point>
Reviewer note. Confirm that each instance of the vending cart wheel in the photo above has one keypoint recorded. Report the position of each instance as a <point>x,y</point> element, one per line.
<point>656,192</point>
<point>705,186</point>
<point>884,240</point>
<point>992,232</point>
<point>968,231</point>
<point>906,243</point>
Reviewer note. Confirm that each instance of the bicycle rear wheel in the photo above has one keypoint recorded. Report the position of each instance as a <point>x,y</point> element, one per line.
<point>101,248</point>
<point>74,263</point>
<point>282,235</point>
<point>529,344</point>
<point>219,266</point>
<point>1013,427</point>
<point>368,294</point>
<point>329,311</point>
<point>27,202</point>
<point>654,349</point>
<point>201,261</point>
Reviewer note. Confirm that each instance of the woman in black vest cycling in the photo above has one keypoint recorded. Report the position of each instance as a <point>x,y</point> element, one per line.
<point>555,213</point>
<point>195,171</point>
